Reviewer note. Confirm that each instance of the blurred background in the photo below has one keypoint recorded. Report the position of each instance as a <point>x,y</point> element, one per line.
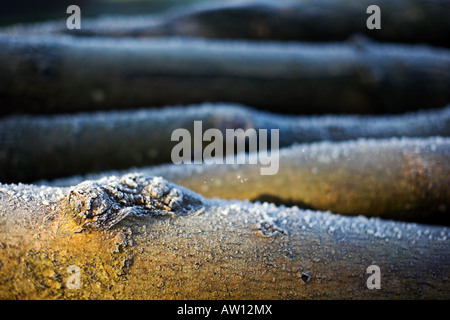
<point>12,12</point>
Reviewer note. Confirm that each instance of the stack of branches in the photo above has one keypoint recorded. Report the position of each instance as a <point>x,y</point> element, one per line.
<point>364,168</point>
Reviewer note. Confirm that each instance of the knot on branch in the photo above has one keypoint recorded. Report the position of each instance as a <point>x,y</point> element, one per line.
<point>102,204</point>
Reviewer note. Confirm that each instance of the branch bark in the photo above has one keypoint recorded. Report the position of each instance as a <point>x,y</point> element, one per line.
<point>402,179</point>
<point>48,147</point>
<point>63,74</point>
<point>221,250</point>
<point>407,21</point>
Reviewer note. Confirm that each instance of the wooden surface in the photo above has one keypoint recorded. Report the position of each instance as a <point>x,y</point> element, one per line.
<point>223,250</point>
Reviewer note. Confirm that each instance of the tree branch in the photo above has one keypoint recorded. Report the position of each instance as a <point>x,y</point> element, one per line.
<point>48,147</point>
<point>221,250</point>
<point>407,21</point>
<point>401,179</point>
<point>63,74</point>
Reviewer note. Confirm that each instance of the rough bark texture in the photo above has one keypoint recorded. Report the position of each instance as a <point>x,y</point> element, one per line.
<point>219,250</point>
<point>402,179</point>
<point>64,74</point>
<point>48,147</point>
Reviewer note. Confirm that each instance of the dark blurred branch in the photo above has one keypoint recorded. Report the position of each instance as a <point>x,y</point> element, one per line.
<point>60,74</point>
<point>412,21</point>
